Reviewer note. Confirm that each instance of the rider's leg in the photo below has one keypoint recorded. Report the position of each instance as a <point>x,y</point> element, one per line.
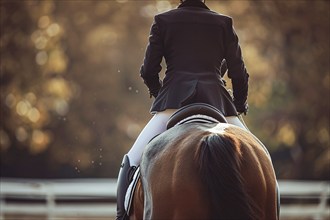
<point>155,126</point>
<point>235,120</point>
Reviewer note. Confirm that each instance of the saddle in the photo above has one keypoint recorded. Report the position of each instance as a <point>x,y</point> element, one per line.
<point>198,112</point>
<point>193,113</point>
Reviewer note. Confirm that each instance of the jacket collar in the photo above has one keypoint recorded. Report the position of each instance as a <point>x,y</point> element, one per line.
<point>191,3</point>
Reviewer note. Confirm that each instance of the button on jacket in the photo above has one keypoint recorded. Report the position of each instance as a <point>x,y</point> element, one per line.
<point>194,40</point>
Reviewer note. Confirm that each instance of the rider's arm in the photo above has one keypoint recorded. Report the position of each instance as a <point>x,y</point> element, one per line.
<point>152,61</point>
<point>236,68</point>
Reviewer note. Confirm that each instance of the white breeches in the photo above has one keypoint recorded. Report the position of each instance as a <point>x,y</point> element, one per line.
<point>157,125</point>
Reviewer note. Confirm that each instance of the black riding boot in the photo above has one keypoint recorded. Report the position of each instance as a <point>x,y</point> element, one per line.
<point>124,178</point>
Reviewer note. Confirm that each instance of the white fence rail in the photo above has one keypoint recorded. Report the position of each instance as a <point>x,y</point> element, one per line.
<point>95,198</point>
<point>58,199</point>
<point>305,200</point>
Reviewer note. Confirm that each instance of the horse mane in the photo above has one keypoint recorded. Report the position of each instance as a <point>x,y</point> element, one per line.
<point>218,158</point>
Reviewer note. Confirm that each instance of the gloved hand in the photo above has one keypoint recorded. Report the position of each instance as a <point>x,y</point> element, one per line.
<point>242,108</point>
<point>153,91</point>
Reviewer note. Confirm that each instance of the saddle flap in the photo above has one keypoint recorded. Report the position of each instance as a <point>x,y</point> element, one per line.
<point>197,112</point>
<point>131,189</point>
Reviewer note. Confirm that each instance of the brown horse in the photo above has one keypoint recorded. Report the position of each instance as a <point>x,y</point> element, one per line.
<point>206,171</point>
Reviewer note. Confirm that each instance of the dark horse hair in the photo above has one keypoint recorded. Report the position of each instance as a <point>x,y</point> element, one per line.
<point>218,159</point>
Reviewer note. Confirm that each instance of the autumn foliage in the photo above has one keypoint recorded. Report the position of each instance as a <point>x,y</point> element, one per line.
<point>72,101</point>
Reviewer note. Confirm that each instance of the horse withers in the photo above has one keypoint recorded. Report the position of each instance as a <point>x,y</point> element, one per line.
<point>206,171</point>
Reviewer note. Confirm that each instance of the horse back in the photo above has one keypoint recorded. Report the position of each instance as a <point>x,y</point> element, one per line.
<point>257,171</point>
<point>179,183</point>
<point>170,179</point>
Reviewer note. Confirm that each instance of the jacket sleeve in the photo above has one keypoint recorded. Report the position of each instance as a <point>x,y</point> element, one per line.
<point>236,68</point>
<point>152,62</point>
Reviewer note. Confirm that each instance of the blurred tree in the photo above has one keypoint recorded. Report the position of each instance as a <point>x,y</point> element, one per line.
<point>298,105</point>
<point>84,78</point>
<point>72,101</point>
<point>34,89</point>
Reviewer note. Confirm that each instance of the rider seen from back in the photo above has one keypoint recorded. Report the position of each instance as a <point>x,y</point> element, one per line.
<point>194,41</point>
